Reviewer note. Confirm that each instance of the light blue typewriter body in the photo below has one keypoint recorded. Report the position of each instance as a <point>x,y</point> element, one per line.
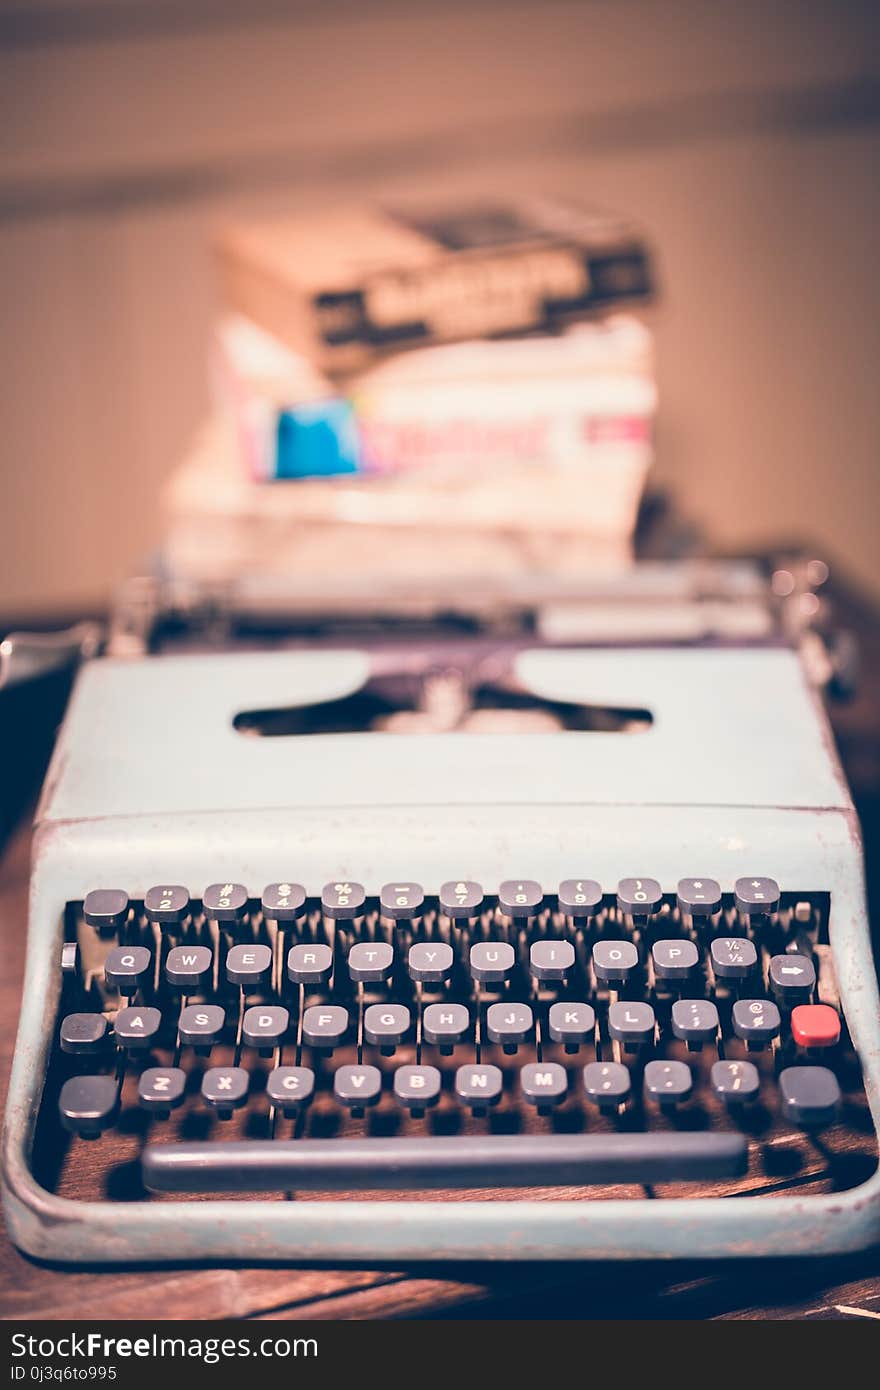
<point>150,782</point>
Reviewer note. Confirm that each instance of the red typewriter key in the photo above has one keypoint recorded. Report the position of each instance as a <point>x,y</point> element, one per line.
<point>815,1025</point>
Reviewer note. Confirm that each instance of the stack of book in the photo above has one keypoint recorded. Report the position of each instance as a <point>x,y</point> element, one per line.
<point>395,391</point>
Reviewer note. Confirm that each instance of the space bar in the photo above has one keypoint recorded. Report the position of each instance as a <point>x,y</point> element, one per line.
<point>494,1160</point>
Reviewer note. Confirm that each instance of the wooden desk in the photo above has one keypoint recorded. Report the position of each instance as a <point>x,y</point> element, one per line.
<point>848,1287</point>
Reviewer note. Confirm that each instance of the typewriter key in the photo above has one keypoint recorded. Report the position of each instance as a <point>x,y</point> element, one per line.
<point>225,1089</point>
<point>606,1084</point>
<point>83,1035</point>
<point>310,965</point>
<point>249,966</point>
<point>756,1021</point>
<point>284,902</point>
<point>357,1087</point>
<point>343,901</point>
<point>614,962</point>
<point>810,1096</point>
<point>520,899</point>
<point>698,898</point>
<point>668,1083</point>
<point>479,1087</point>
<point>509,1024</point>
<point>386,1025</point>
<point>674,961</point>
<point>444,1025</point>
<point>638,897</point>
<point>403,902</point>
<point>756,897</point>
<point>135,1028</point>
<point>167,907</point>
<point>370,962</point>
<point>106,909</point>
<point>225,902</point>
<point>88,1104</point>
<point>551,960</point>
<point>571,1023</point>
<point>265,1027</point>
<point>417,1088</point>
<point>580,899</point>
<point>631,1024</point>
<point>815,1026</point>
<point>492,962</point>
<point>792,978</point>
<point>461,899</point>
<point>70,961</point>
<point>733,958</point>
<point>128,968</point>
<point>543,1083</point>
<point>430,962</point>
<point>201,1025</point>
<point>736,1083</point>
<point>161,1090</point>
<point>290,1088</point>
<point>325,1025</point>
<point>188,968</point>
<point>695,1021</point>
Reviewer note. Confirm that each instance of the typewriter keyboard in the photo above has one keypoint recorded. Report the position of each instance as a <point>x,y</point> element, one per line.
<point>567,1038</point>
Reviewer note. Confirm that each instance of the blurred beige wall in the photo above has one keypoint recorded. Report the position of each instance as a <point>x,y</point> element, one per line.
<point>744,136</point>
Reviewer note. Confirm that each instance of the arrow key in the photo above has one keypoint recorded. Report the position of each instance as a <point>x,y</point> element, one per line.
<point>792,978</point>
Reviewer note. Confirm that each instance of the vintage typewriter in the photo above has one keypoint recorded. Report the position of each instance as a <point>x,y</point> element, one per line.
<point>479,941</point>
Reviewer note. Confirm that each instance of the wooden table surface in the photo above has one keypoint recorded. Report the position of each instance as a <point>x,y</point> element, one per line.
<point>824,1288</point>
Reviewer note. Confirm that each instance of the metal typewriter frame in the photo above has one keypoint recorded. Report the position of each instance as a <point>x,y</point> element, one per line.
<point>72,854</point>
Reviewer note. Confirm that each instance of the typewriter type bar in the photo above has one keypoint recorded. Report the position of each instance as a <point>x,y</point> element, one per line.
<point>485,1161</point>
